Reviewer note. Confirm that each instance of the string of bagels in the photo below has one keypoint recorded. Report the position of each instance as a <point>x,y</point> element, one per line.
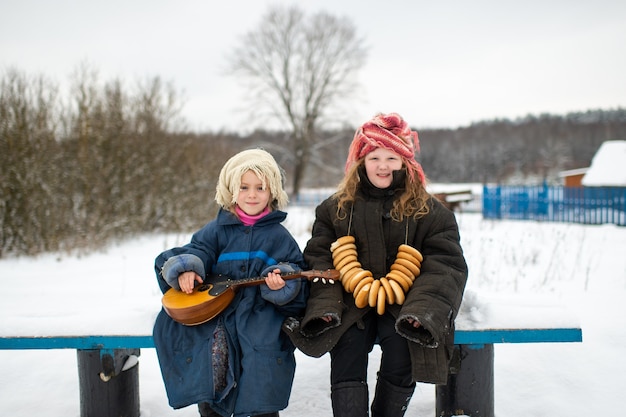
<point>361,283</point>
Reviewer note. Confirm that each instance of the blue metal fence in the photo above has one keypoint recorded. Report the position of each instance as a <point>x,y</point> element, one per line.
<point>312,196</point>
<point>587,205</point>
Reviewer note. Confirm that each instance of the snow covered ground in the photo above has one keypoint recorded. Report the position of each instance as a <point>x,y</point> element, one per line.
<point>554,274</point>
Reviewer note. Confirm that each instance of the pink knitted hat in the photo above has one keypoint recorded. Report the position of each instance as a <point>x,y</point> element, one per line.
<point>389,131</point>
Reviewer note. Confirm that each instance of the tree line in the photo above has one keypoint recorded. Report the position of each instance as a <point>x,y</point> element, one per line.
<point>108,161</point>
<point>527,150</point>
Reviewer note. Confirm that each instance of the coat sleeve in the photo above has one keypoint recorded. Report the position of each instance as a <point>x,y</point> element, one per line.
<point>171,263</point>
<point>198,256</point>
<point>436,295</point>
<point>290,300</point>
<point>286,294</point>
<point>325,299</point>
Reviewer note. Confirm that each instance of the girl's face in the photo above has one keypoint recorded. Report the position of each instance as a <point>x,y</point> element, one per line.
<point>252,198</point>
<point>379,165</point>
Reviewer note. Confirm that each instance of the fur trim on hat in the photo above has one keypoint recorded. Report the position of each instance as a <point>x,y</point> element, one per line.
<point>389,131</point>
<point>263,164</point>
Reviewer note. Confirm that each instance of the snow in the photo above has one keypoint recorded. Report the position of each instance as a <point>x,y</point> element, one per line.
<point>522,273</point>
<point>607,166</point>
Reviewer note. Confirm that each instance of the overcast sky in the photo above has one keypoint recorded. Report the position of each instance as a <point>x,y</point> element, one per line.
<point>439,64</point>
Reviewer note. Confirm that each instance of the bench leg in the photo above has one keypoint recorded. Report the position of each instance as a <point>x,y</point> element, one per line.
<point>470,388</point>
<point>106,390</point>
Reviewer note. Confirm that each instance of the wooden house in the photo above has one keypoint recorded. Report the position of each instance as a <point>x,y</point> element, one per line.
<point>607,169</point>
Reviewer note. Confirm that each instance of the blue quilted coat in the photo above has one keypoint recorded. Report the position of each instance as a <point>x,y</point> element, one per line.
<point>258,356</point>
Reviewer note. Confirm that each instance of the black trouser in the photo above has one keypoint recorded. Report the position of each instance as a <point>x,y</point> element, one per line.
<point>349,358</point>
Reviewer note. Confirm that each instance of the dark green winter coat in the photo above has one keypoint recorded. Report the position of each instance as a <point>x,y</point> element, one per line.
<point>434,298</point>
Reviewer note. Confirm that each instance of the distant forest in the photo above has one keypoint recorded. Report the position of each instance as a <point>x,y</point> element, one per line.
<point>527,150</point>
<point>112,162</point>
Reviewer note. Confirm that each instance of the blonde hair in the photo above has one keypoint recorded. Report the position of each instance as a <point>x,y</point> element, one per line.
<point>411,203</point>
<point>263,164</point>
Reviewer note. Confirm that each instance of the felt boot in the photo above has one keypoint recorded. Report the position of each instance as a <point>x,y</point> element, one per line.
<point>350,399</point>
<point>391,400</point>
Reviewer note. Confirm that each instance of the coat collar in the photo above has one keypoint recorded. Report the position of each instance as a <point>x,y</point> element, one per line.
<point>225,217</point>
<point>370,190</point>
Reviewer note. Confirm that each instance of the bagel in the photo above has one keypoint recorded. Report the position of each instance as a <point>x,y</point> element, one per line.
<point>349,266</point>
<point>402,281</point>
<point>398,292</point>
<point>407,256</point>
<point>385,284</point>
<point>343,254</point>
<point>343,248</point>
<point>401,276</point>
<point>401,268</point>
<point>410,249</point>
<point>346,261</point>
<point>341,241</point>
<point>415,270</point>
<point>403,271</point>
<point>358,277</point>
<point>362,297</point>
<point>347,284</point>
<point>362,283</point>
<point>340,263</point>
<point>380,303</point>
<point>345,278</point>
<point>373,295</point>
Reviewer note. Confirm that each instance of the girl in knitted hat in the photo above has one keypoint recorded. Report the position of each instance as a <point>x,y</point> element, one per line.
<point>240,362</point>
<point>402,275</point>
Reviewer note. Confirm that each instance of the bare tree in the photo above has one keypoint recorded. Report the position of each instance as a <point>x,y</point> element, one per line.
<point>297,68</point>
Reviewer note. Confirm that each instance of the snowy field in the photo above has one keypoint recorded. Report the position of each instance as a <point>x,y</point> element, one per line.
<point>521,274</point>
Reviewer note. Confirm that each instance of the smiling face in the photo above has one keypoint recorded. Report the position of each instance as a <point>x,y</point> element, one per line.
<point>379,165</point>
<point>252,197</point>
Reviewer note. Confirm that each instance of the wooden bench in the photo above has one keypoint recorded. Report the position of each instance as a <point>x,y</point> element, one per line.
<point>454,199</point>
<point>106,368</point>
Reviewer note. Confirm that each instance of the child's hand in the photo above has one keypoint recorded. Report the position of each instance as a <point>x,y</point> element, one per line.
<point>274,281</point>
<point>413,322</point>
<point>328,318</point>
<point>187,281</point>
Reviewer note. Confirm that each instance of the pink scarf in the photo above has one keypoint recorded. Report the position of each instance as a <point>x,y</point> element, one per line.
<point>249,220</point>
